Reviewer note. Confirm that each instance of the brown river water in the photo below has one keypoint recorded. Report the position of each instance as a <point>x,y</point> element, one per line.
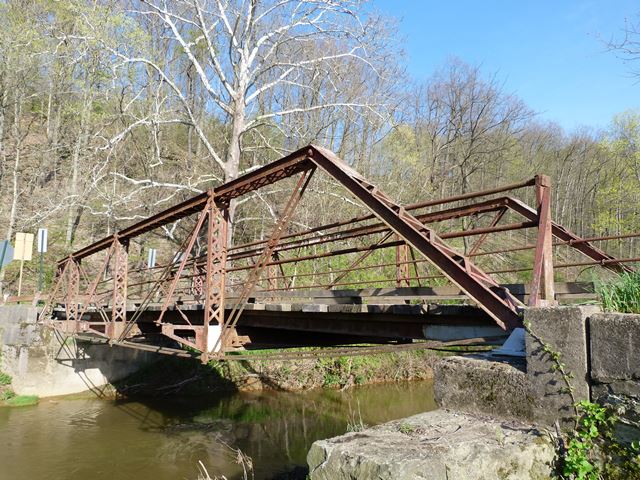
<point>96,439</point>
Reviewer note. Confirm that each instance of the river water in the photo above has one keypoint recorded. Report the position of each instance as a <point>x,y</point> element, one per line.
<point>98,439</point>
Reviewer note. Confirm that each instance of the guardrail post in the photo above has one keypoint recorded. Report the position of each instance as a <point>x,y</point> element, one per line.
<point>542,288</point>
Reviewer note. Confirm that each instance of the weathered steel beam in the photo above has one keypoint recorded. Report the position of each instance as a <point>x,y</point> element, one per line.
<point>542,293</point>
<point>271,173</point>
<point>216,274</point>
<point>227,328</point>
<point>571,238</point>
<point>497,302</point>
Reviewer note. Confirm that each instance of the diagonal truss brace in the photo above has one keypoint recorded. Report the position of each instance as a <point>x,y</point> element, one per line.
<point>492,298</point>
<point>265,257</point>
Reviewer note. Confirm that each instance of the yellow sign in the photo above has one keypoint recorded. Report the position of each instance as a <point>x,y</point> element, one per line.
<point>24,246</point>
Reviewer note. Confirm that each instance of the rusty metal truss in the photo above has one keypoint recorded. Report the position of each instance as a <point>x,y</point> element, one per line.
<point>222,281</point>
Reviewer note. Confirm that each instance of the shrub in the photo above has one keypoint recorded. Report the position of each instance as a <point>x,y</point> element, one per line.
<point>6,395</point>
<point>621,295</point>
<point>5,379</point>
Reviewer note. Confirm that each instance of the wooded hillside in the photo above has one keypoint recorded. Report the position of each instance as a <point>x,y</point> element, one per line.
<point>113,110</point>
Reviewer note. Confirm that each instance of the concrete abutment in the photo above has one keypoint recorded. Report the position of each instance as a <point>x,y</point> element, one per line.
<point>43,362</point>
<point>482,397</point>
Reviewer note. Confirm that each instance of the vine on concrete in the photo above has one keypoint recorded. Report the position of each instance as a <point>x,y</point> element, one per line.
<point>591,444</point>
<point>557,366</point>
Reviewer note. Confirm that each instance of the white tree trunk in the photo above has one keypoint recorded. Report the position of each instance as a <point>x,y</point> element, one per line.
<point>15,192</point>
<point>232,163</point>
<point>3,153</point>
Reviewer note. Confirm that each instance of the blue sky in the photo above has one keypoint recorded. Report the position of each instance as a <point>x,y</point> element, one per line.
<point>552,54</point>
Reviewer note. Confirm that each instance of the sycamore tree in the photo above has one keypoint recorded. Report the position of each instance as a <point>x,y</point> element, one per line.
<point>248,67</point>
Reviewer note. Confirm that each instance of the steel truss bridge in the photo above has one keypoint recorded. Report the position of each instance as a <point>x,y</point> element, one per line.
<point>214,297</point>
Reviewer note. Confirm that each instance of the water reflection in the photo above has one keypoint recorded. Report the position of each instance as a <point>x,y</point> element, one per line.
<point>82,439</point>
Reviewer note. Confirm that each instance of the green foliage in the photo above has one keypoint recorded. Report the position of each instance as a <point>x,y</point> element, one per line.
<point>355,423</point>
<point>621,295</point>
<point>406,428</point>
<point>5,379</point>
<point>22,400</point>
<point>331,380</point>
<point>618,192</point>
<point>593,453</point>
<point>6,395</point>
<point>593,423</point>
<point>627,461</point>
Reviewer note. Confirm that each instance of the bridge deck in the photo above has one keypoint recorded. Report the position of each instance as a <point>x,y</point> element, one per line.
<point>352,316</point>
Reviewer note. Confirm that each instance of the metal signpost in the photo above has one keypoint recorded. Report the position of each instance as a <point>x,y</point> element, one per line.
<point>23,252</point>
<point>151,258</point>
<point>6,253</point>
<point>6,256</point>
<point>43,235</point>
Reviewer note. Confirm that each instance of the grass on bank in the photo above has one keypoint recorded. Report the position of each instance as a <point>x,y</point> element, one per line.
<point>621,295</point>
<point>190,377</point>
<point>22,400</point>
<point>9,398</point>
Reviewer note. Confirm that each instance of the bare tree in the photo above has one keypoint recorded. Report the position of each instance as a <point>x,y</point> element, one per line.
<point>628,47</point>
<point>257,62</point>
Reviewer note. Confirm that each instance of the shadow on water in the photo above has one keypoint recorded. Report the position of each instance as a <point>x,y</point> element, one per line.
<point>189,414</point>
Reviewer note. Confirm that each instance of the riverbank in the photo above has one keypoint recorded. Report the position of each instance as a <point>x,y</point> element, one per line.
<point>9,398</point>
<point>173,376</point>
<point>566,347</point>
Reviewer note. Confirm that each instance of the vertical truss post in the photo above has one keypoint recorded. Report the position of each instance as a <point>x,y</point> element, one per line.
<point>402,265</point>
<point>165,277</point>
<point>272,274</point>
<point>254,274</point>
<point>542,288</point>
<point>72,291</point>
<point>119,301</point>
<point>216,273</point>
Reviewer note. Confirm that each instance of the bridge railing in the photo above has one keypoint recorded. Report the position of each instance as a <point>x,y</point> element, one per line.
<point>466,239</point>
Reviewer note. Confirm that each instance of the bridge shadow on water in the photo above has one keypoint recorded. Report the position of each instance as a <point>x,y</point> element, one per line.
<point>200,415</point>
